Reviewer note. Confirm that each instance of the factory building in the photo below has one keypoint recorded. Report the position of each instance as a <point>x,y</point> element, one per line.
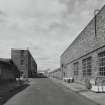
<point>25,62</point>
<point>56,73</point>
<point>84,59</point>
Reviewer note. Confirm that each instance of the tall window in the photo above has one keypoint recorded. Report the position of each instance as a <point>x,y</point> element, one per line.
<point>22,57</point>
<point>87,67</point>
<point>76,68</point>
<point>22,53</point>
<point>101,57</point>
<point>22,62</point>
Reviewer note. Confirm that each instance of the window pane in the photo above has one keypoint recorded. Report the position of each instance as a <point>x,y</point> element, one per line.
<point>76,68</point>
<point>102,63</point>
<point>86,66</point>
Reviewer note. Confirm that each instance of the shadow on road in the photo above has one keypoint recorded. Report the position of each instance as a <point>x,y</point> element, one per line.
<point>7,95</point>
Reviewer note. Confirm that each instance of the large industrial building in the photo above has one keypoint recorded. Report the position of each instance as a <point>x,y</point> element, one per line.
<point>25,62</point>
<point>84,59</point>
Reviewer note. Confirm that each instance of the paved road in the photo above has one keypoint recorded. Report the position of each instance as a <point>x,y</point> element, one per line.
<point>45,92</point>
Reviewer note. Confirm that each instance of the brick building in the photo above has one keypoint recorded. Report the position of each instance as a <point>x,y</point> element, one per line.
<point>8,70</point>
<point>84,59</point>
<point>56,73</point>
<point>25,62</point>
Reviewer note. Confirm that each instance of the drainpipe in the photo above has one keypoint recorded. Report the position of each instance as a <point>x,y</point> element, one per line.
<point>62,70</point>
<point>27,51</point>
<point>96,11</point>
<point>95,22</point>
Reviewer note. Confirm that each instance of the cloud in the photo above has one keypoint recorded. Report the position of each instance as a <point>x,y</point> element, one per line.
<point>31,7</point>
<point>46,27</point>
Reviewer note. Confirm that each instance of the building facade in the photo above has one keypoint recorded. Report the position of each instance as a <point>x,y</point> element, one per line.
<point>84,59</point>
<point>25,62</point>
<point>56,73</point>
<point>8,70</point>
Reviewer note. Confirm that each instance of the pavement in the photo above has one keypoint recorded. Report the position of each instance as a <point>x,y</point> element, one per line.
<point>81,89</point>
<point>43,91</point>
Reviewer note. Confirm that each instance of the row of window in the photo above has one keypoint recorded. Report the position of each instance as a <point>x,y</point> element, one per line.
<point>87,66</point>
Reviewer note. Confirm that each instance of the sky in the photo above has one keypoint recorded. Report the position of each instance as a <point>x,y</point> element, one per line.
<point>45,27</point>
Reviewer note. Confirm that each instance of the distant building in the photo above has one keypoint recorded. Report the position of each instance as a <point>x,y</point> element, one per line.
<point>56,73</point>
<point>8,70</point>
<point>46,72</point>
<point>25,62</point>
<point>84,59</point>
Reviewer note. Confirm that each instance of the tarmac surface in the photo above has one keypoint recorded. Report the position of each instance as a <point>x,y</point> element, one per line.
<point>97,97</point>
<point>43,91</point>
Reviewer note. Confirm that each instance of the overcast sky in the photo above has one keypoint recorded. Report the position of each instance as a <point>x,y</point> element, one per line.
<point>46,27</point>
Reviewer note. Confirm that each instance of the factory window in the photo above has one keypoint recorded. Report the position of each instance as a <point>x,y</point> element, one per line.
<point>22,57</point>
<point>86,66</point>
<point>76,68</point>
<point>64,73</point>
<point>22,61</point>
<point>22,53</point>
<point>62,65</point>
<point>101,57</point>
